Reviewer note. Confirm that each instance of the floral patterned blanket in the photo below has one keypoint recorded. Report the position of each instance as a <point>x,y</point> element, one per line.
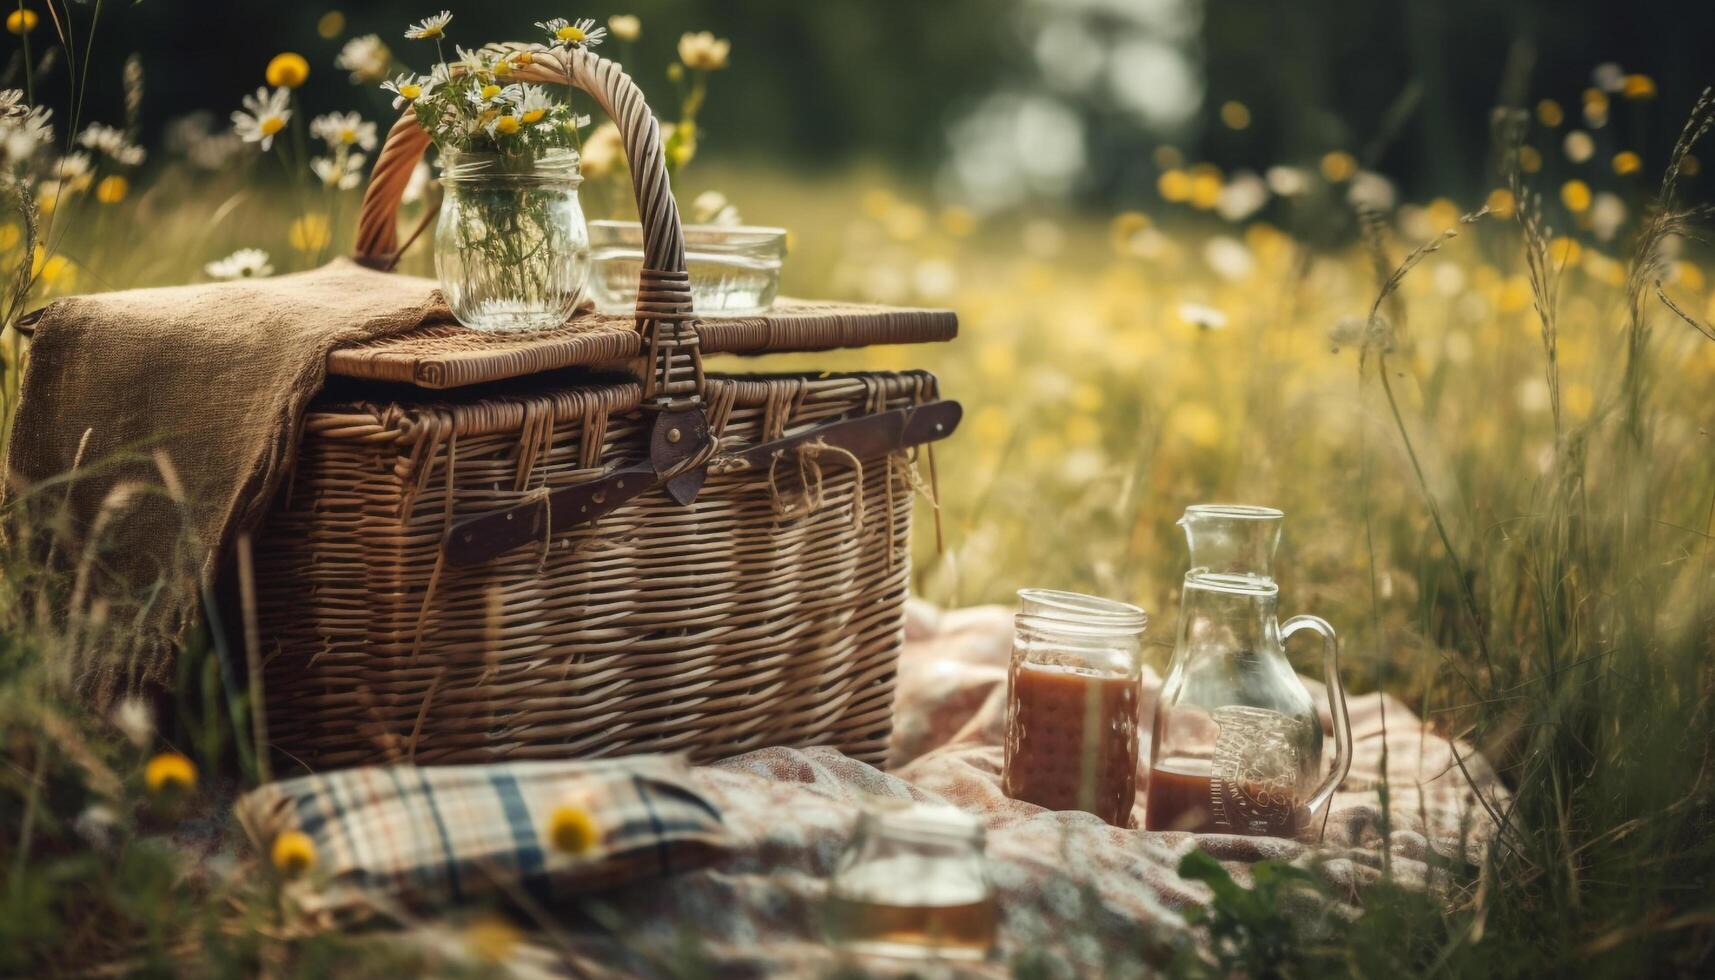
<point>1095,899</point>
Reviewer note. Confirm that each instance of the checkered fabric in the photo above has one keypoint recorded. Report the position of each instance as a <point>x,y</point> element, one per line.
<point>425,837</point>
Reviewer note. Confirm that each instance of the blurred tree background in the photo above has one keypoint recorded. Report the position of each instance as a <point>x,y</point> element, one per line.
<point>998,101</point>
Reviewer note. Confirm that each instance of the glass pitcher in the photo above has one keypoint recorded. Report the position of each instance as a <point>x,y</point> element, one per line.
<point>1237,746</point>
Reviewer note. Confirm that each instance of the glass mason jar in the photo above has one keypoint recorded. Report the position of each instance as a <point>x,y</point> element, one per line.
<point>734,270</point>
<point>913,882</point>
<point>1072,704</point>
<point>511,248</point>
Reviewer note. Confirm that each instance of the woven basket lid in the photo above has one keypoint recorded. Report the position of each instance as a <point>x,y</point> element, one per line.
<point>451,356</point>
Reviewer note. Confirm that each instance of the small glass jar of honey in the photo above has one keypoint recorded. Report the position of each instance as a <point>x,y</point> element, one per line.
<point>914,883</point>
<point>1072,704</point>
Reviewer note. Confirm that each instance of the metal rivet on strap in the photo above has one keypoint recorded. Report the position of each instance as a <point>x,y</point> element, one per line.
<point>674,435</point>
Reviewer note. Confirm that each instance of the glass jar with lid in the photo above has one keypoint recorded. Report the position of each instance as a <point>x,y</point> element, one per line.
<point>1072,704</point>
<point>913,882</point>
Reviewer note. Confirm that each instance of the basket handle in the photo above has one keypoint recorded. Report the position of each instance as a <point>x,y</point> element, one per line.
<point>664,318</point>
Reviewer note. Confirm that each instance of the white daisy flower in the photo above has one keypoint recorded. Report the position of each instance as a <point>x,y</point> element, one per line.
<point>430,28</point>
<point>343,172</point>
<point>473,62</point>
<point>72,166</point>
<point>703,51</point>
<point>409,88</point>
<point>1201,316</point>
<point>504,124</point>
<point>366,57</point>
<point>626,27</point>
<point>343,129</point>
<point>422,175</point>
<point>713,208</point>
<point>1287,181</point>
<point>533,103</point>
<point>579,34</point>
<point>493,96</point>
<point>113,143</point>
<point>246,263</point>
<point>263,116</point>
<point>12,104</point>
<point>20,136</point>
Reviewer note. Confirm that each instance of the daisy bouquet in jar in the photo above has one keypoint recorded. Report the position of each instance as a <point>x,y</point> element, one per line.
<point>511,246</point>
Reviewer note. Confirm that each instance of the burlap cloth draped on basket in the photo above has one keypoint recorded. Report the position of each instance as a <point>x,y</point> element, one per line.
<point>191,398</point>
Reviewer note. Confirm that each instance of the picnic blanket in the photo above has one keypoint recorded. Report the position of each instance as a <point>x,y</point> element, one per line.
<point>1098,899</point>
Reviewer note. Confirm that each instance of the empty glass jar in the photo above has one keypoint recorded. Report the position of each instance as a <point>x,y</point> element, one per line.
<point>511,248</point>
<point>1072,704</point>
<point>913,882</point>
<point>734,270</point>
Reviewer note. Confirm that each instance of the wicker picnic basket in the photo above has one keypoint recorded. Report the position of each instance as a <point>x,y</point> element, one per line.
<point>577,542</point>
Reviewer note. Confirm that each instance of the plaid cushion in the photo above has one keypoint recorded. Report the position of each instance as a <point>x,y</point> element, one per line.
<point>429,836</point>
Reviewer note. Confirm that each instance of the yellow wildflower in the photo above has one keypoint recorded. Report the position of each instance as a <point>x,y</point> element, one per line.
<point>506,125</point>
<point>1638,87</point>
<point>1339,166</point>
<point>1627,162</point>
<point>310,233</point>
<point>22,21</point>
<point>170,772</point>
<point>1196,423</point>
<point>491,938</point>
<point>1206,187</point>
<point>1087,398</point>
<point>331,25</point>
<point>1595,106</point>
<point>991,425</point>
<point>1575,194</point>
<point>571,830</point>
<point>1235,115</point>
<point>1501,203</point>
<point>1443,214</point>
<point>1174,185</point>
<point>997,360</point>
<point>112,189</point>
<point>1549,113</point>
<point>1124,229</point>
<point>1688,275</point>
<point>1515,294</point>
<point>1529,159</point>
<point>679,142</point>
<point>1082,430</point>
<point>287,70</point>
<point>625,27</point>
<point>10,235</point>
<point>294,853</point>
<point>1563,251</point>
<point>906,223</point>
<point>958,221</point>
<point>489,91</point>
<point>703,51</point>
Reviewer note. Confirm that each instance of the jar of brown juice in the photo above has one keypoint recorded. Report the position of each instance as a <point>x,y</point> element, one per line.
<point>1072,704</point>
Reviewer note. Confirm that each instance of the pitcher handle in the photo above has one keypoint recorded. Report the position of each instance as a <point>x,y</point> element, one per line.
<point>1336,704</point>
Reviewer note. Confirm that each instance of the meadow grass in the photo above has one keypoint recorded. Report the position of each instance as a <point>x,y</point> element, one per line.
<point>1492,442</point>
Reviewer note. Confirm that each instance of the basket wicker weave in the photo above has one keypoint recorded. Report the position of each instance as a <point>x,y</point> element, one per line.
<point>542,563</point>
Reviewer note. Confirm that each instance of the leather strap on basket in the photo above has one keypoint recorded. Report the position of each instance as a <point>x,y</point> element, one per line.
<point>674,377</point>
